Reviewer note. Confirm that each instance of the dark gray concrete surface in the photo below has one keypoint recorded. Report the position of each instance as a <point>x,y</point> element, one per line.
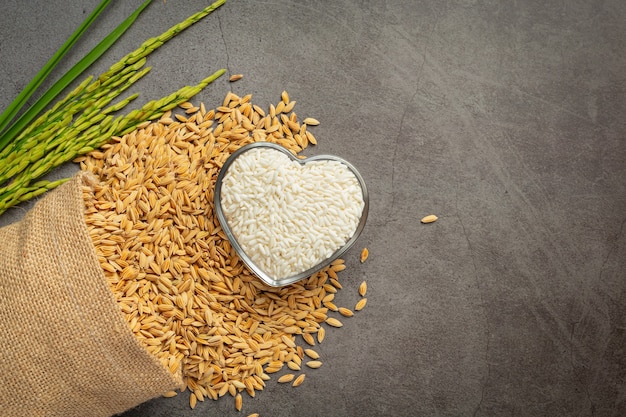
<point>507,119</point>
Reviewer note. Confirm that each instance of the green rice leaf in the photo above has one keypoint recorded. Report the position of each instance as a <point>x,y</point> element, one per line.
<point>20,100</point>
<point>69,76</point>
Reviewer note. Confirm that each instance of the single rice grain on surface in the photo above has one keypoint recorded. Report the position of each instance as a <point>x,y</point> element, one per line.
<point>429,219</point>
<point>364,254</point>
<point>178,282</point>
<point>311,353</point>
<point>286,378</point>
<point>314,364</point>
<point>299,380</point>
<point>331,321</point>
<point>363,289</point>
<point>346,312</point>
<point>321,335</point>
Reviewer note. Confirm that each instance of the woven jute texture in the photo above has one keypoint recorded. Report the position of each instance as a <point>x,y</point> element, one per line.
<point>66,348</point>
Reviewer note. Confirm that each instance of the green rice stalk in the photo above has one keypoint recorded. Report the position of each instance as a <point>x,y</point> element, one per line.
<point>152,44</point>
<point>29,193</point>
<point>50,139</point>
<point>68,77</point>
<point>85,100</point>
<point>76,142</point>
<point>70,141</point>
<point>26,93</point>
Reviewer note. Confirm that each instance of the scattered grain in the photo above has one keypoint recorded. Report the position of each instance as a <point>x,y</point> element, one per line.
<point>331,306</point>
<point>311,353</point>
<point>235,77</point>
<point>314,364</point>
<point>346,312</point>
<point>321,335</point>
<point>364,254</point>
<point>429,219</point>
<point>185,294</point>
<point>331,321</point>
<point>298,381</point>
<point>293,366</point>
<point>308,338</point>
<point>363,289</point>
<point>311,121</point>
<point>360,304</point>
<point>286,378</point>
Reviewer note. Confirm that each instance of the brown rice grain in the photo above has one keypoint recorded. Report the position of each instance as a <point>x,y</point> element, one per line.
<point>308,338</point>
<point>363,289</point>
<point>429,219</point>
<point>314,364</point>
<point>331,321</point>
<point>311,353</point>
<point>321,335</point>
<point>364,254</point>
<point>238,402</point>
<point>311,121</point>
<point>298,381</point>
<point>360,304</point>
<point>185,294</point>
<point>346,312</point>
<point>286,378</point>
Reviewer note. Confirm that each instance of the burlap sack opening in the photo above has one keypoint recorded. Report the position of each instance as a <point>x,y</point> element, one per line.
<point>67,350</point>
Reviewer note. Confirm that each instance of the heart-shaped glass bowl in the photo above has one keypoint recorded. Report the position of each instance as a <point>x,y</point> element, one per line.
<point>255,269</point>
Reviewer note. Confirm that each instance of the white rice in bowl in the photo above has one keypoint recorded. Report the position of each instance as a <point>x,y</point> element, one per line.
<point>286,216</point>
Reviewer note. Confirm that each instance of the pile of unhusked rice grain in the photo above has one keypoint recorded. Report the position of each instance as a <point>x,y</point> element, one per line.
<point>183,290</point>
<point>286,216</point>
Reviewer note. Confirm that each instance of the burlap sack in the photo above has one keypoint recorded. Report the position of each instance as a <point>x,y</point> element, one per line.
<point>66,348</point>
